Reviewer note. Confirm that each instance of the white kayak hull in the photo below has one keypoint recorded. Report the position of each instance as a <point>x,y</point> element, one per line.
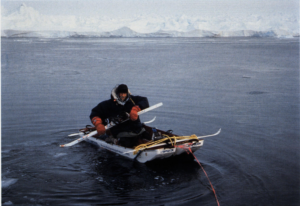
<point>145,155</point>
<point>161,150</point>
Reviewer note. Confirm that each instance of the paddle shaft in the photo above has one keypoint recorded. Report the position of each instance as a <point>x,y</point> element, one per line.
<point>109,126</point>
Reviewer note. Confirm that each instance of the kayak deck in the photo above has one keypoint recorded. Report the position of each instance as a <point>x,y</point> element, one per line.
<point>158,151</point>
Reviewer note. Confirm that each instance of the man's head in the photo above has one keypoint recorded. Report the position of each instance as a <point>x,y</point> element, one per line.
<point>122,91</point>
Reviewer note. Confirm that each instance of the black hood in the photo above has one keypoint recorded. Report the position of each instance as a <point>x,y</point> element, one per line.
<point>114,96</point>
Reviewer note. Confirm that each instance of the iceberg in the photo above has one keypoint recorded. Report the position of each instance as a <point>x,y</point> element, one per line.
<point>28,22</point>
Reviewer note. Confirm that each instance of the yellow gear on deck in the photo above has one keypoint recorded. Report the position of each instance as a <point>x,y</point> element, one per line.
<point>171,139</point>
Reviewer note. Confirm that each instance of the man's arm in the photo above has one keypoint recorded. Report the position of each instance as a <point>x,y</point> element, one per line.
<point>96,111</point>
<point>100,110</point>
<point>98,116</point>
<point>142,102</point>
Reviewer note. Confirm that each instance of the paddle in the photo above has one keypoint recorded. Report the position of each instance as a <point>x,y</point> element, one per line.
<point>110,125</point>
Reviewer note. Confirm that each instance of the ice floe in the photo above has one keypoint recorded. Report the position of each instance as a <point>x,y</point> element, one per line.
<point>6,182</point>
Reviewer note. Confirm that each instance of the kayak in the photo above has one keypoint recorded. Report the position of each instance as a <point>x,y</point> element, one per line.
<point>163,145</point>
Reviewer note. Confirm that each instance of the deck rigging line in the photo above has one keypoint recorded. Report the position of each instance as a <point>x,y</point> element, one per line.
<point>172,141</point>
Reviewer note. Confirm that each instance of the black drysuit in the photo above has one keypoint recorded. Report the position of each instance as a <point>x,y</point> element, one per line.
<point>110,108</point>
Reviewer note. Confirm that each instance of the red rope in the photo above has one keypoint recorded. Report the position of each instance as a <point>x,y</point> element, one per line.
<point>188,149</point>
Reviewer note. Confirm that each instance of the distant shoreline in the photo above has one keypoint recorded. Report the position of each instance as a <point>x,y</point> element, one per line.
<point>125,32</point>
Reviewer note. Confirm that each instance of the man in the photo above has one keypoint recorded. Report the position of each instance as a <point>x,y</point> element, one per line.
<point>121,105</point>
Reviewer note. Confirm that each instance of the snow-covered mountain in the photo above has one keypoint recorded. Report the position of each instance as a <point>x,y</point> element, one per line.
<point>28,22</point>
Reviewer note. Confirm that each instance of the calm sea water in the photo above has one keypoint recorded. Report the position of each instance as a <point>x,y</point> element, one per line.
<point>247,87</point>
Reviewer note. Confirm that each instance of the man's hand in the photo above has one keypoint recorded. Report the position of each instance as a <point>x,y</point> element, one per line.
<point>134,113</point>
<point>99,126</point>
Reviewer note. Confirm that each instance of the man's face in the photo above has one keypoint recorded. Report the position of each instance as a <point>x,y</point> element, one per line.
<point>123,96</point>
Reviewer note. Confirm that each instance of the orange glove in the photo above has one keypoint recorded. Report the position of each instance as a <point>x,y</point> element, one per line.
<point>134,113</point>
<point>99,126</point>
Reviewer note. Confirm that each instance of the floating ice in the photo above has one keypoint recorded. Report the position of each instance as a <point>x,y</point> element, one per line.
<point>159,178</point>
<point>8,203</point>
<point>7,182</point>
<point>59,154</point>
<point>5,151</point>
<point>100,179</point>
<point>27,22</point>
